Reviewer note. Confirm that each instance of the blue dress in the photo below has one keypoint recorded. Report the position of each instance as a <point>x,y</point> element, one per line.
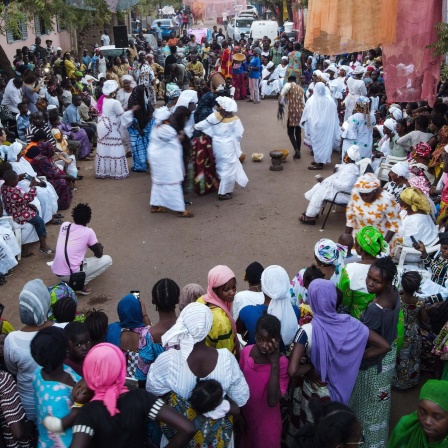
<point>53,398</point>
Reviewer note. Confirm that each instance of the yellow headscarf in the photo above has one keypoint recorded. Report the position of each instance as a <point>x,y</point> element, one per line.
<point>416,199</point>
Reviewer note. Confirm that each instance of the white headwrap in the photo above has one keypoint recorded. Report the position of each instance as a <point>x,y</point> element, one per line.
<point>161,114</point>
<point>359,70</point>
<point>192,326</point>
<point>128,78</point>
<point>270,65</point>
<point>13,151</point>
<point>332,68</point>
<point>317,73</point>
<point>186,97</point>
<point>275,284</point>
<point>110,86</point>
<point>396,113</point>
<point>227,104</point>
<point>401,169</point>
<point>325,77</point>
<point>354,153</point>
<point>390,124</point>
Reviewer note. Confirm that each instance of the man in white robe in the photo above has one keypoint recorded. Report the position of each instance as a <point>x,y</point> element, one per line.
<point>274,84</point>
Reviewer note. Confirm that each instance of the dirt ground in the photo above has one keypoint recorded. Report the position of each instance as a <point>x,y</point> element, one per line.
<point>260,223</point>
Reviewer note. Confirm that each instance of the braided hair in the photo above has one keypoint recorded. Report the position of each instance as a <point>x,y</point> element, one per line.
<point>310,274</point>
<point>206,396</point>
<point>64,310</point>
<point>410,281</point>
<point>165,295</point>
<point>270,324</point>
<point>387,268</point>
<point>97,323</point>
<point>74,329</point>
<point>49,348</point>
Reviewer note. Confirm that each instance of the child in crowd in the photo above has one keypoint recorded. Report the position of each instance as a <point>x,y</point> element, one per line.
<point>207,399</point>
<point>69,160</point>
<point>23,121</point>
<point>348,241</point>
<point>81,395</point>
<point>407,369</point>
<point>229,86</point>
<point>97,324</point>
<point>64,310</point>
<point>78,346</point>
<point>266,373</point>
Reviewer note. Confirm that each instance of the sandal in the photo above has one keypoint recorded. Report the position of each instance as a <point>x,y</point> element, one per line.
<point>309,222</point>
<point>224,197</point>
<point>155,209</point>
<point>47,251</point>
<point>185,214</point>
<point>58,215</point>
<point>56,221</point>
<point>318,167</point>
<point>85,291</point>
<point>26,253</point>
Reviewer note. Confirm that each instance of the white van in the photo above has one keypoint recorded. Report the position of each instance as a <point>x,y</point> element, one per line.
<point>260,28</point>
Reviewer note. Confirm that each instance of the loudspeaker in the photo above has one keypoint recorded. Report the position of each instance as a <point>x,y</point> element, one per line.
<point>121,36</point>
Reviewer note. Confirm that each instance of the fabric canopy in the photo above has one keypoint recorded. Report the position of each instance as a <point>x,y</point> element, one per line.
<point>411,70</point>
<point>344,26</point>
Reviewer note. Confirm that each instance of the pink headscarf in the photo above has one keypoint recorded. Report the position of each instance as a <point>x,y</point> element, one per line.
<point>104,370</point>
<point>217,277</point>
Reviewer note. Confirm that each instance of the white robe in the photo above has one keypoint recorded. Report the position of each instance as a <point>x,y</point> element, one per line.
<point>9,247</point>
<point>226,136</point>
<point>343,180</point>
<point>359,133</point>
<point>277,78</point>
<point>167,168</point>
<point>356,88</point>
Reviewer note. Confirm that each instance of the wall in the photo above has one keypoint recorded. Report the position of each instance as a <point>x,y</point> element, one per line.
<point>60,39</point>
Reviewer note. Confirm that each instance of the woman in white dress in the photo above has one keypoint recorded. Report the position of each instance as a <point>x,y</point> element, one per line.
<point>343,180</point>
<point>111,156</point>
<point>356,87</point>
<point>176,372</point>
<point>359,128</point>
<point>226,131</point>
<point>165,157</point>
<point>47,196</point>
<point>123,94</point>
<point>274,84</point>
<point>321,125</point>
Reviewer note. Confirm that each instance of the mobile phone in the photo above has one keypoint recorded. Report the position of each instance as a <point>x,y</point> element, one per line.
<point>136,294</point>
<point>28,177</point>
<point>414,241</point>
<point>2,307</point>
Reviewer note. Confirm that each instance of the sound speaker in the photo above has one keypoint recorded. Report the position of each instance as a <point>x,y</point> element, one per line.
<point>121,36</point>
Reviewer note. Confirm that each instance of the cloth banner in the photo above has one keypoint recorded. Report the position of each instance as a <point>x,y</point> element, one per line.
<point>199,33</point>
<point>345,26</point>
<point>411,70</point>
<point>212,9</point>
<point>298,17</point>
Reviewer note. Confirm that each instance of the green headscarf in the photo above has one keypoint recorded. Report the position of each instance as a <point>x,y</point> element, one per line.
<point>409,432</point>
<point>371,241</point>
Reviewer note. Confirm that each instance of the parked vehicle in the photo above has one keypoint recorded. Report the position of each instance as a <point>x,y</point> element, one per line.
<point>112,51</point>
<point>252,9</point>
<point>167,26</point>
<point>239,25</point>
<point>260,28</point>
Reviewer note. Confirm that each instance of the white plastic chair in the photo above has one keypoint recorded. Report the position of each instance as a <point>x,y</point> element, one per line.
<point>386,165</point>
<point>432,248</point>
<point>17,232</point>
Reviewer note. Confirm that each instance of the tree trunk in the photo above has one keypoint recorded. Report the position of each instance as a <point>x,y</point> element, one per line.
<point>6,64</point>
<point>289,9</point>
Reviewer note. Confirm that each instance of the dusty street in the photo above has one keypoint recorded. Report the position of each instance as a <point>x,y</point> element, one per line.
<point>259,223</point>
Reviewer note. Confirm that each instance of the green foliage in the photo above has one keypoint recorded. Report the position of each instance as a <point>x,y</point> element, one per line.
<point>440,46</point>
<point>17,11</point>
<point>444,72</point>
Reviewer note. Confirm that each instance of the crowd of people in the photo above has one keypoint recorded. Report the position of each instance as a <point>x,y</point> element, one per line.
<point>308,361</point>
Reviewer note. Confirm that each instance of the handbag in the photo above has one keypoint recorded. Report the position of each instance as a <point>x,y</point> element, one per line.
<point>77,279</point>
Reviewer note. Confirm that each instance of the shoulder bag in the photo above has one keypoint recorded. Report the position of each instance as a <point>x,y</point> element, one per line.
<point>77,279</point>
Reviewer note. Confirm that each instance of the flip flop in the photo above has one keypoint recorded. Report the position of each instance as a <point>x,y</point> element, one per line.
<point>84,292</point>
<point>315,168</point>
<point>303,220</point>
<point>56,221</point>
<point>58,215</point>
<point>47,251</point>
<point>158,210</point>
<point>185,214</point>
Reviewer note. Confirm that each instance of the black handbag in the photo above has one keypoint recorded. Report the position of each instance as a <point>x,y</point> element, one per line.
<point>77,279</point>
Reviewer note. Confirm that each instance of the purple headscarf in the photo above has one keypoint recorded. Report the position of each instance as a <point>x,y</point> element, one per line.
<point>338,341</point>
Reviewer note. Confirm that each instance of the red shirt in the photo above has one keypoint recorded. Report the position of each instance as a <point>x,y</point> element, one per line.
<point>17,202</point>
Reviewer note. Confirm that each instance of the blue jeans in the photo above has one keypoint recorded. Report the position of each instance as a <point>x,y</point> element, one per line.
<point>39,225</point>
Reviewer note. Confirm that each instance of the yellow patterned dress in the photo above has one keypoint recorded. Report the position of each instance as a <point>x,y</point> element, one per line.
<point>383,214</point>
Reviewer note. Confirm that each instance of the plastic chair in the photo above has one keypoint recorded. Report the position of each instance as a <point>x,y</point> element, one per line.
<point>17,232</point>
<point>334,202</point>
<point>432,248</point>
<point>386,165</point>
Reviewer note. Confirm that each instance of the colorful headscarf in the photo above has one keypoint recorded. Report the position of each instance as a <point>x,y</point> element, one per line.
<point>219,276</point>
<point>423,150</point>
<point>104,370</point>
<point>172,91</point>
<point>329,252</point>
<point>367,183</point>
<point>409,431</point>
<point>338,341</point>
<point>192,326</point>
<point>275,284</point>
<point>371,241</point>
<point>416,199</point>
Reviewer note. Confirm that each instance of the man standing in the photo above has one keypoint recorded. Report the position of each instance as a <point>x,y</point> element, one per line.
<point>172,41</point>
<point>80,238</point>
<point>158,30</point>
<point>254,76</point>
<point>294,96</point>
<point>185,38</point>
<point>225,17</point>
<point>105,38</point>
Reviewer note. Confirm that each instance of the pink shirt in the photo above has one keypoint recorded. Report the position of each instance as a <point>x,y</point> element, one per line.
<point>79,240</point>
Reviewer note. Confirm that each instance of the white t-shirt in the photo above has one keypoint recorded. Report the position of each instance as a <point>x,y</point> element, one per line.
<point>245,298</point>
<point>224,16</point>
<point>106,39</point>
<point>71,169</point>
